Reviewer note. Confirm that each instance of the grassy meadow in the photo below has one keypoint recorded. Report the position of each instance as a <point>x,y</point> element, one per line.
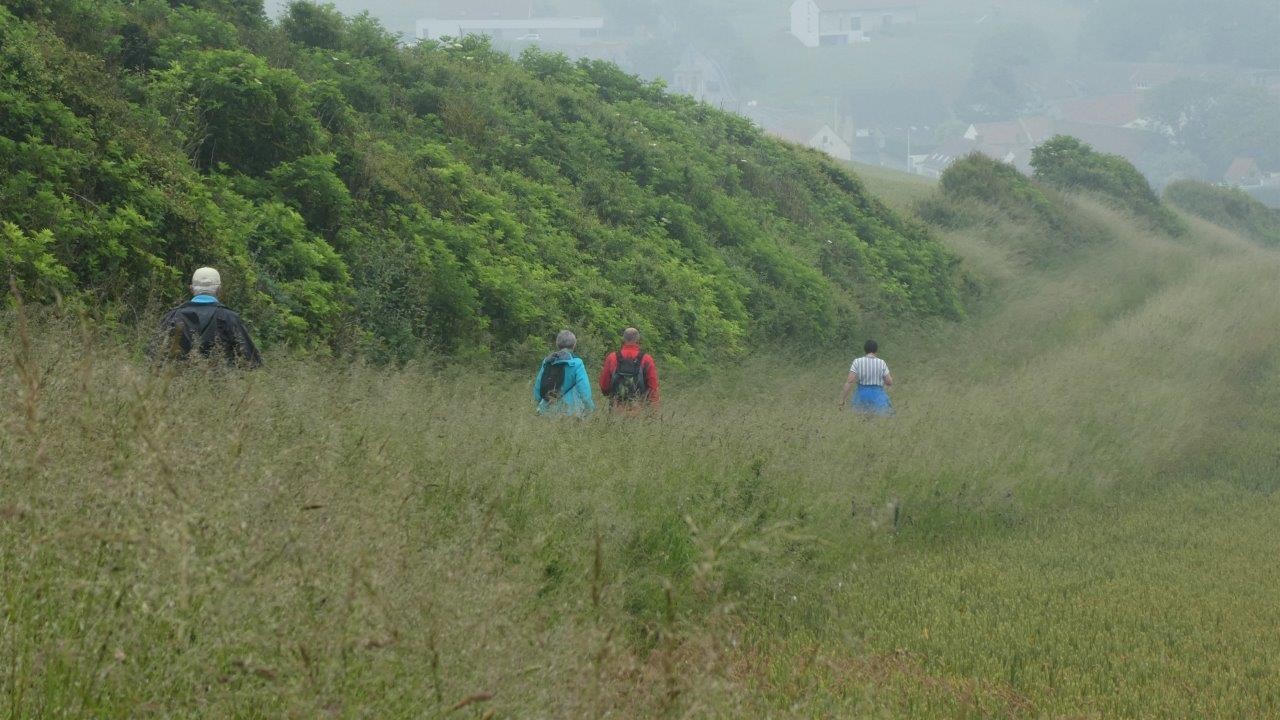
<point>1072,515</point>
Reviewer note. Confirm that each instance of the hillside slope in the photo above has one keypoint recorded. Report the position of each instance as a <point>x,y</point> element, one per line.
<point>361,195</point>
<point>1071,515</point>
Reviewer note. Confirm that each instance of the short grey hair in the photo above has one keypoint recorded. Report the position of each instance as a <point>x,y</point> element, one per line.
<point>631,335</point>
<point>566,340</point>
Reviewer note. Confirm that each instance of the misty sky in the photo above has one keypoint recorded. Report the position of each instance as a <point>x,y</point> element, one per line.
<point>1134,77</point>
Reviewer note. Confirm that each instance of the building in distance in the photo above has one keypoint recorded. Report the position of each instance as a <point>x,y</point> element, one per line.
<point>844,22</point>
<point>570,22</point>
<point>705,80</point>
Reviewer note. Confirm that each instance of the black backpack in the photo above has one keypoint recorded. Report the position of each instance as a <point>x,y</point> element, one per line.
<point>552,387</point>
<point>628,382</point>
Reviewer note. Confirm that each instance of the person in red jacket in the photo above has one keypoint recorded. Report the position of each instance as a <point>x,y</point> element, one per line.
<point>629,375</point>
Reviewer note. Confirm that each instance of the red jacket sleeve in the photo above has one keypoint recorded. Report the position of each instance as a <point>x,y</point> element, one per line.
<point>651,378</point>
<point>606,373</point>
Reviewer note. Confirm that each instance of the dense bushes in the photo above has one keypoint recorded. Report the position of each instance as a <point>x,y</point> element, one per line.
<point>1035,219</point>
<point>361,195</point>
<point>978,191</point>
<point>1067,163</point>
<point>1228,207</point>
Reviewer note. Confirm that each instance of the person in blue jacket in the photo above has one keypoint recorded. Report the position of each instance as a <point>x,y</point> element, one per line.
<point>562,386</point>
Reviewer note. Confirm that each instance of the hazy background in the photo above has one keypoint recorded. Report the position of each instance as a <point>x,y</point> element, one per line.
<point>1180,88</point>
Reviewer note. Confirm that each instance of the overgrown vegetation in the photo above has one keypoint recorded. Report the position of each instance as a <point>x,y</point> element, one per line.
<point>1067,163</point>
<point>1033,220</point>
<point>1032,214</point>
<point>361,195</point>
<point>1071,514</point>
<point>1229,207</point>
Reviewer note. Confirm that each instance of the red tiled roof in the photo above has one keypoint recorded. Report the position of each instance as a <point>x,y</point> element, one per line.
<point>1108,110</point>
<point>1014,133</point>
<point>1242,168</point>
<point>1132,144</point>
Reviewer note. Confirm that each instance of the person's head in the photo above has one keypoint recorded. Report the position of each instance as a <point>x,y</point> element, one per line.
<point>206,281</point>
<point>566,340</point>
<point>870,346</point>
<point>631,335</point>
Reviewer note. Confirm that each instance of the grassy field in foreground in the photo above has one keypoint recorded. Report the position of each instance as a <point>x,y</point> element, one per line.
<point>1072,516</point>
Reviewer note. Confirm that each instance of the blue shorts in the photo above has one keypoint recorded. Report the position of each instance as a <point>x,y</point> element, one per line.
<point>872,400</point>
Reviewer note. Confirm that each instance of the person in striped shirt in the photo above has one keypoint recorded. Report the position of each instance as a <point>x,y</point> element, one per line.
<point>871,376</point>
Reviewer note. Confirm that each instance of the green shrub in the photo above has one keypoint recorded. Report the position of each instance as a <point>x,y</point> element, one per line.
<point>440,197</point>
<point>27,261</point>
<point>232,108</point>
<point>978,191</point>
<point>1229,207</point>
<point>1067,163</point>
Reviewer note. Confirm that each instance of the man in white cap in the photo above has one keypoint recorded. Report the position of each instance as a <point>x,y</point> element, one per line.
<point>205,327</point>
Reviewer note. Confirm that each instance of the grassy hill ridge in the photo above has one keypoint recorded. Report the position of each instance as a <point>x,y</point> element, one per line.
<point>366,196</point>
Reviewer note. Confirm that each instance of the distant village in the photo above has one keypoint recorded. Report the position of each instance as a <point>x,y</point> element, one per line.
<point>1100,103</point>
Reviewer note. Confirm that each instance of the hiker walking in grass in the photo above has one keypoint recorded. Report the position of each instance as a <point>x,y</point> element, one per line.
<point>629,377</point>
<point>204,327</point>
<point>562,386</point>
<point>871,376</point>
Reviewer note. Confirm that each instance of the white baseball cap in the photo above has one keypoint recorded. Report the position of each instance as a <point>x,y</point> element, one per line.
<point>206,278</point>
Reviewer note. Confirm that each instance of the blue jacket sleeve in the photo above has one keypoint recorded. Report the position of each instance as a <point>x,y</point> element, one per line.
<point>537,385</point>
<point>584,386</point>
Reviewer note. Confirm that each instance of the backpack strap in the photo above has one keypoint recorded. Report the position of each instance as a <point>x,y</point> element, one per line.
<point>546,363</point>
<point>644,379</point>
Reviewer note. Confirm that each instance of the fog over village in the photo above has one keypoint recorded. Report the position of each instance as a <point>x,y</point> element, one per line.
<point>1181,89</point>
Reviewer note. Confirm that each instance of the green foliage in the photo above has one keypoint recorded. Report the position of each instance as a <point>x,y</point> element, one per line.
<point>310,186</point>
<point>979,191</point>
<point>1067,163</point>
<point>230,108</point>
<point>1229,207</point>
<point>364,195</point>
<point>27,261</point>
<point>317,26</point>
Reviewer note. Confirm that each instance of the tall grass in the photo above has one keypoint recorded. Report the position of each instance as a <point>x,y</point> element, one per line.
<point>1071,514</point>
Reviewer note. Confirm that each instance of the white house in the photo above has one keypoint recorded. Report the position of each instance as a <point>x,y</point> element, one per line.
<point>510,20</point>
<point>810,133</point>
<point>842,22</point>
<point>830,142</point>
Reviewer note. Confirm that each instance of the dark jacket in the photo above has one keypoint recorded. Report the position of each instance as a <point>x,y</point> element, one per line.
<point>206,329</point>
